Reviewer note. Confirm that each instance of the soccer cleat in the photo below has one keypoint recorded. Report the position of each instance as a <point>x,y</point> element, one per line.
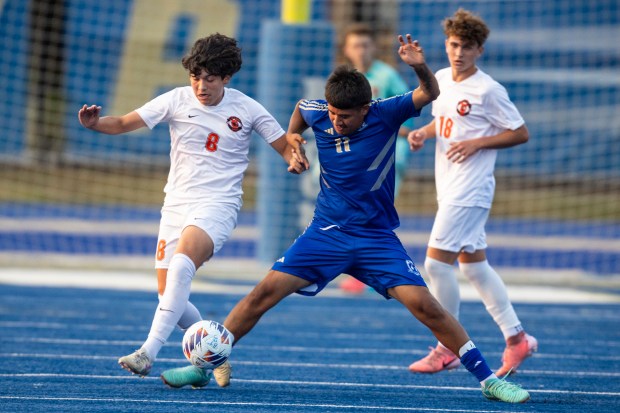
<point>137,362</point>
<point>437,360</point>
<point>514,354</point>
<point>500,389</point>
<point>186,376</point>
<point>222,374</point>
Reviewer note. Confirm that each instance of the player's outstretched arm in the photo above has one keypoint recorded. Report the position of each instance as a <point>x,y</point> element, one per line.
<point>296,126</point>
<point>89,117</point>
<point>412,54</point>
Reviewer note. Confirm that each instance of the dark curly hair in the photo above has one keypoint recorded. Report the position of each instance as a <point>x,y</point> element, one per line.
<point>346,88</point>
<point>216,54</point>
<point>467,26</point>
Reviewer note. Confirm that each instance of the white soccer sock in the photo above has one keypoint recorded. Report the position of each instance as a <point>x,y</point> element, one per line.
<point>190,316</point>
<point>173,303</point>
<point>444,285</point>
<point>494,295</point>
<point>466,347</point>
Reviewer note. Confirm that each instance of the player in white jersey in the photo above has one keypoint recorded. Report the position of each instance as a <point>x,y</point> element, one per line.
<point>210,130</point>
<point>472,118</point>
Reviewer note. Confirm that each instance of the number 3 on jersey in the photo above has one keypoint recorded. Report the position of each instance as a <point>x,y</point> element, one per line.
<point>445,126</point>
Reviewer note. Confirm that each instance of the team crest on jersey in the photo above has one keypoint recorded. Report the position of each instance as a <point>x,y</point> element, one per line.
<point>234,123</point>
<point>463,107</point>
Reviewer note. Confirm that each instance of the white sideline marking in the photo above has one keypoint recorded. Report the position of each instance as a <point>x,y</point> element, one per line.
<point>250,404</point>
<point>141,281</point>
<point>309,383</point>
<point>251,232</point>
<point>316,365</point>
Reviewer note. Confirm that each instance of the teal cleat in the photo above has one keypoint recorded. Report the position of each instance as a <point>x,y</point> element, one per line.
<point>186,376</point>
<point>500,389</point>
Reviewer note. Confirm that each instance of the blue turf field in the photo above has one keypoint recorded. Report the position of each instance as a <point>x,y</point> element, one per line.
<point>58,351</point>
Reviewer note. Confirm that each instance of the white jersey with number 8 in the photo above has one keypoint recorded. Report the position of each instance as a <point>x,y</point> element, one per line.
<point>209,144</point>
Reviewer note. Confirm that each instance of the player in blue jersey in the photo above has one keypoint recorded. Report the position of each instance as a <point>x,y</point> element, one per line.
<point>359,49</point>
<point>352,229</point>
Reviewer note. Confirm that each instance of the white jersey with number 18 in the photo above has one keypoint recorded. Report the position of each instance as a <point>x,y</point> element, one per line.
<point>475,107</point>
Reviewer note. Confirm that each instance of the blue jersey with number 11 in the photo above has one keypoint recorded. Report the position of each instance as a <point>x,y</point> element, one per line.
<point>357,170</point>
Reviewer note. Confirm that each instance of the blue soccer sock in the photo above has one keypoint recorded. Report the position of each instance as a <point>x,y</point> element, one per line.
<point>476,364</point>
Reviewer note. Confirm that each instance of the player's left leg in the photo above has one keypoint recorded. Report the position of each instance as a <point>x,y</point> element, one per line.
<point>421,303</point>
<point>494,294</point>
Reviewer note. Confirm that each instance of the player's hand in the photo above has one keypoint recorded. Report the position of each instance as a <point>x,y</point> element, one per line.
<point>296,167</point>
<point>416,139</point>
<point>410,52</point>
<point>298,162</point>
<point>89,115</point>
<point>459,152</point>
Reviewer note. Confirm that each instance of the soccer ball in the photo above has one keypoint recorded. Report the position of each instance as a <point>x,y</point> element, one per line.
<point>207,344</point>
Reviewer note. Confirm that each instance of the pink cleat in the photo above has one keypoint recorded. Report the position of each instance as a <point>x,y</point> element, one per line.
<point>518,348</point>
<point>438,359</point>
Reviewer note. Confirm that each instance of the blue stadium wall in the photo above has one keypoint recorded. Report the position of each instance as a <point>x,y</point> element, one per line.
<point>96,34</point>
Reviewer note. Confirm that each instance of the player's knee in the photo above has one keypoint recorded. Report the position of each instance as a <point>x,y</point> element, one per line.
<point>424,306</point>
<point>477,272</point>
<point>437,270</point>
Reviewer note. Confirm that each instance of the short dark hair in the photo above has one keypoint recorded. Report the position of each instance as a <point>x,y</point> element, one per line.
<point>346,88</point>
<point>467,26</point>
<point>216,54</point>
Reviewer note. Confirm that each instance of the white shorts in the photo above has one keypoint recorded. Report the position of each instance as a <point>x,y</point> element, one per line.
<point>459,229</point>
<point>217,220</point>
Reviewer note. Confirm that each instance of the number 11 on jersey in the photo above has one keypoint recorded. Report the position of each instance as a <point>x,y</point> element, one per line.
<point>342,145</point>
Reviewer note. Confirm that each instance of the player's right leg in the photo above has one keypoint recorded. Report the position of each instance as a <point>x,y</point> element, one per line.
<point>270,291</point>
<point>242,318</point>
<point>300,269</point>
<point>445,288</point>
<point>420,302</point>
<point>194,247</point>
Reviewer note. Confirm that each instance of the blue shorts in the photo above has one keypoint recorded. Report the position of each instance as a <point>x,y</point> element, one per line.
<point>375,257</point>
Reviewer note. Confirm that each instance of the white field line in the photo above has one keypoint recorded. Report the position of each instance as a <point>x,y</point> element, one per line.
<point>218,403</point>
<point>141,281</point>
<point>307,335</point>
<point>287,349</point>
<point>327,366</point>
<point>307,383</point>
<point>78,226</point>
